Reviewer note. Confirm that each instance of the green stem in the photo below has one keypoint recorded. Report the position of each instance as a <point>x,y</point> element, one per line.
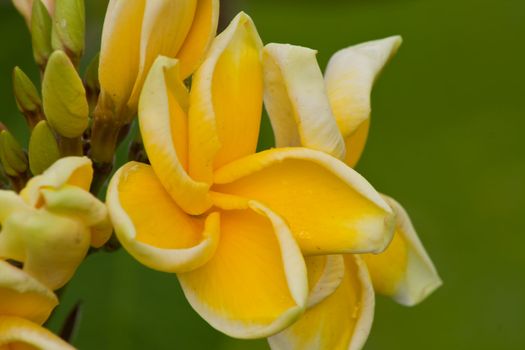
<point>70,147</point>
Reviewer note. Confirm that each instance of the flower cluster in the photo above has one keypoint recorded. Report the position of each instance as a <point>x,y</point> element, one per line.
<point>289,243</point>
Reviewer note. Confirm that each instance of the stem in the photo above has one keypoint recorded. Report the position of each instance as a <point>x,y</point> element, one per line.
<point>70,147</point>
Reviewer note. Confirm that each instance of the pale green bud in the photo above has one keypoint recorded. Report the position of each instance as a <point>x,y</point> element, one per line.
<point>41,33</point>
<point>65,103</point>
<point>12,155</point>
<point>27,97</point>
<point>69,28</point>
<point>43,148</point>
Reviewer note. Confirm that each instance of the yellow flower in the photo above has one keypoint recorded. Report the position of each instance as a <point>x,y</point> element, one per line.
<point>331,114</point>
<point>50,226</point>
<point>24,305</point>
<point>137,31</point>
<point>232,223</point>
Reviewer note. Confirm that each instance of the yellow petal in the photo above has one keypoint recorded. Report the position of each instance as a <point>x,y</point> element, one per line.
<point>256,283</point>
<point>120,52</point>
<point>226,100</point>
<point>325,273</point>
<point>77,203</point>
<point>165,25</point>
<point>296,100</point>
<point>23,296</point>
<point>75,171</point>
<point>20,334</point>
<point>350,76</point>
<point>340,322</point>
<point>404,270</point>
<point>163,124</point>
<point>151,226</point>
<point>203,30</point>
<point>10,202</point>
<point>330,208</point>
<point>50,246</point>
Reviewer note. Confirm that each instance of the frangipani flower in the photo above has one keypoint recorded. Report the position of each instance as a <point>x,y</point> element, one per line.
<point>332,115</point>
<point>50,226</point>
<point>230,222</point>
<point>24,305</point>
<point>137,31</point>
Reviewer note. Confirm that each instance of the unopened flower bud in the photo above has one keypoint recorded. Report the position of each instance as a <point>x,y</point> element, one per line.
<point>64,96</point>
<point>69,28</point>
<point>25,8</point>
<point>43,148</point>
<point>12,155</point>
<point>27,97</point>
<point>41,33</point>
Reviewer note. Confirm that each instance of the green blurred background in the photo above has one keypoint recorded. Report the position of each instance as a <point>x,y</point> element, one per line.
<point>446,141</point>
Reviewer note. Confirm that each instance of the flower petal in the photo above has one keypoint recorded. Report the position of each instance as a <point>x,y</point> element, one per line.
<point>256,283</point>
<point>75,202</point>
<point>120,52</point>
<point>330,208</point>
<point>325,273</point>
<point>200,36</point>
<point>18,333</point>
<point>50,246</point>
<point>151,226</point>
<point>296,100</point>
<point>350,76</point>
<point>226,100</point>
<point>404,270</point>
<point>75,171</point>
<point>163,124</point>
<point>341,321</point>
<point>164,28</point>
<point>23,296</point>
<point>10,202</point>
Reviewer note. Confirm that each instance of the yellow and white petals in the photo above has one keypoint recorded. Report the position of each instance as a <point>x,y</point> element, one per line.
<point>325,274</point>
<point>404,270</point>
<point>349,77</point>
<point>226,100</point>
<point>50,246</point>
<point>18,333</point>
<point>152,228</point>
<point>164,124</point>
<point>74,202</point>
<point>74,171</point>
<point>256,284</point>
<point>296,100</point>
<point>201,34</point>
<point>164,28</point>
<point>120,53</point>
<point>330,208</point>
<point>25,7</point>
<point>342,321</point>
<point>10,202</point>
<point>23,296</point>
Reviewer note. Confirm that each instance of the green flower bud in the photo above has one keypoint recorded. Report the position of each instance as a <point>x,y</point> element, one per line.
<point>41,33</point>
<point>43,148</point>
<point>65,103</point>
<point>91,82</point>
<point>12,155</point>
<point>27,97</point>
<point>69,28</point>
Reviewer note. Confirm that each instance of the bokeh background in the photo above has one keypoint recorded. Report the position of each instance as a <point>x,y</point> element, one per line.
<point>447,141</point>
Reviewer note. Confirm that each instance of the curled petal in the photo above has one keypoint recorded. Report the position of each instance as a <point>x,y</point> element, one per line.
<point>10,202</point>
<point>296,100</point>
<point>330,208</point>
<point>226,100</point>
<point>201,34</point>
<point>256,283</point>
<point>341,321</point>
<point>75,202</point>
<point>151,226</point>
<point>350,76</point>
<point>18,333</point>
<point>50,246</point>
<point>325,273</point>
<point>404,270</point>
<point>74,171</point>
<point>23,296</point>
<point>164,124</point>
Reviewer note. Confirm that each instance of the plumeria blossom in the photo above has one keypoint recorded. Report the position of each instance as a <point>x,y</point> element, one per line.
<point>234,224</point>
<point>331,114</point>
<point>50,226</point>
<point>135,32</point>
<point>25,304</point>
